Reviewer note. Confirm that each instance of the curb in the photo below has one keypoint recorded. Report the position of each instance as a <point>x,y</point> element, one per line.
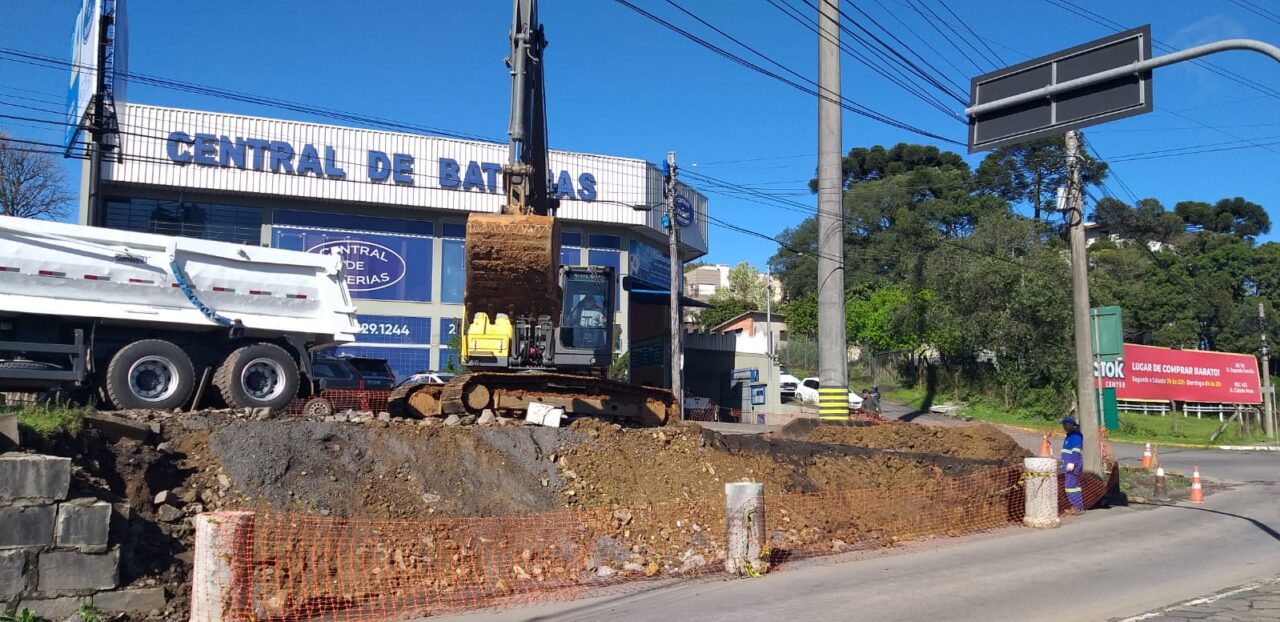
<point>1249,447</point>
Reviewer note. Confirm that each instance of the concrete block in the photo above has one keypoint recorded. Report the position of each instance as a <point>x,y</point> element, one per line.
<point>13,574</point>
<point>27,526</point>
<point>69,571</point>
<point>9,432</point>
<point>33,476</point>
<point>117,428</point>
<point>140,600</point>
<point>84,524</point>
<point>53,608</point>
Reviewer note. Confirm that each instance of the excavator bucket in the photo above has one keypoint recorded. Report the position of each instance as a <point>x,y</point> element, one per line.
<point>513,265</point>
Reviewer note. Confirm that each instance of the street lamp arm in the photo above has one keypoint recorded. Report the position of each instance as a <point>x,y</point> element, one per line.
<point>1253,45</point>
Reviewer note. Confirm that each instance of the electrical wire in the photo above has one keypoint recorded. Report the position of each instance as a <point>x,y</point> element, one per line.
<point>845,103</point>
<point>973,32</point>
<point>934,24</point>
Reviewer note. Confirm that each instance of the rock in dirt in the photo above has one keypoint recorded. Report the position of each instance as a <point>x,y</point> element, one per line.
<point>487,417</point>
<point>163,497</point>
<point>605,571</point>
<point>168,513</point>
<point>632,567</point>
<point>260,414</point>
<point>452,420</point>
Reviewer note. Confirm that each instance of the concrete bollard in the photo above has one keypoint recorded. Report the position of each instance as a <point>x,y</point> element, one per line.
<point>224,541</point>
<point>1041,478</point>
<point>744,522</point>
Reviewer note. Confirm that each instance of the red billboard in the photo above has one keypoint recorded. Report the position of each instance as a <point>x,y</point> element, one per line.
<point>1150,373</point>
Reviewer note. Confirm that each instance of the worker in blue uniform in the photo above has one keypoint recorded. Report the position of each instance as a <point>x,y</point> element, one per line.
<point>1073,463</point>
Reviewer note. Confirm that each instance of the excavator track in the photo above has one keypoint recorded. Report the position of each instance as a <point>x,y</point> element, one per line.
<point>510,393</point>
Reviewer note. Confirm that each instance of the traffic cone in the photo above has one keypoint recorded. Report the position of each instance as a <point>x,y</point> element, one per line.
<point>1161,490</point>
<point>1197,493</point>
<point>1045,450</point>
<point>1146,457</point>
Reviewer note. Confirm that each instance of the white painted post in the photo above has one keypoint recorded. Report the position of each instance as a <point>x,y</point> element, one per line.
<point>744,522</point>
<point>1041,477</point>
<point>220,538</point>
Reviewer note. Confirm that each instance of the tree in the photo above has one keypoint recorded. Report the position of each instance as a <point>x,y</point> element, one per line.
<point>1148,222</point>
<point>746,292</point>
<point>1238,217</point>
<point>1033,171</point>
<point>32,185</point>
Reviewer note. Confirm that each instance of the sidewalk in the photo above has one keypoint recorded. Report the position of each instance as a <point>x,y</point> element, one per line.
<point>1259,600</point>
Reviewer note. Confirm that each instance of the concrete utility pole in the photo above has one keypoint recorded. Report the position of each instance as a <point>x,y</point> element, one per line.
<point>1268,398</point>
<point>833,367</point>
<point>768,310</point>
<point>673,250</point>
<point>1087,410</point>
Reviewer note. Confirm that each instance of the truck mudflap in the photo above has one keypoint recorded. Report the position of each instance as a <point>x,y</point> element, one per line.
<point>511,393</point>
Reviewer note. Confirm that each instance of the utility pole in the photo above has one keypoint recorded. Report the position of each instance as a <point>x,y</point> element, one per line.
<point>1087,409</point>
<point>1268,398</point>
<point>768,310</point>
<point>833,366</point>
<point>673,250</point>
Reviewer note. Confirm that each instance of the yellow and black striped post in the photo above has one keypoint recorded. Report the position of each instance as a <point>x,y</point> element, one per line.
<point>833,403</point>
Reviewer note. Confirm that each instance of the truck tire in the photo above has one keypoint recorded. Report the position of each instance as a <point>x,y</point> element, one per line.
<point>151,373</point>
<point>261,375</point>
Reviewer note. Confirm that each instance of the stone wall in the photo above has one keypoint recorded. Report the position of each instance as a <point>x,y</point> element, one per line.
<point>56,553</point>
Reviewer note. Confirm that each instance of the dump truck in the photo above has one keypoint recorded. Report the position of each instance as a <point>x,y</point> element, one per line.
<point>139,320</point>
<point>533,331</point>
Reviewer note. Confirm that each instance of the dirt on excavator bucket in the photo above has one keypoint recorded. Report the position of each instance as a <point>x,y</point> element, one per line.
<point>512,265</point>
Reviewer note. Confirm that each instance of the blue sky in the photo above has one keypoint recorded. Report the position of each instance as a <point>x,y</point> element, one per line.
<point>622,85</point>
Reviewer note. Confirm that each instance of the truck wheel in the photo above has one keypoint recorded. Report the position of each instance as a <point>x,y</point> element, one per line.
<point>261,375</point>
<point>151,373</point>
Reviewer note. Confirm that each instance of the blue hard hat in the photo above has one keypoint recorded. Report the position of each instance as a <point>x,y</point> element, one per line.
<point>1070,420</point>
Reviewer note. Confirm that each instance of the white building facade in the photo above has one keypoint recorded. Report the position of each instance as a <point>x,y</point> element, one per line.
<point>396,204</point>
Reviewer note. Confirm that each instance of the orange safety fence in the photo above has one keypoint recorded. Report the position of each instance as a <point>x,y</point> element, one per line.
<point>282,566</point>
<point>332,401</point>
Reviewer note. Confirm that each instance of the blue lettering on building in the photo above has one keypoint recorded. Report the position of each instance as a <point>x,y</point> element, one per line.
<point>480,176</point>
<point>279,156</point>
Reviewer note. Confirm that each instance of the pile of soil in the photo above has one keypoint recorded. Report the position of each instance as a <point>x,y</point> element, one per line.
<point>982,441</point>
<point>603,499</point>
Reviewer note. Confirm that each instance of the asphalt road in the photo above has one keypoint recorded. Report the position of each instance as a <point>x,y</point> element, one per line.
<point>1106,564</point>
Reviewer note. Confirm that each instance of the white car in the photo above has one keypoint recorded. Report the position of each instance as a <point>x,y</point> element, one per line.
<point>787,384</point>
<point>427,377</point>
<point>807,393</point>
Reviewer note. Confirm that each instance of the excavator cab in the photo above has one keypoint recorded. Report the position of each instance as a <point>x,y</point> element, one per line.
<point>581,339</point>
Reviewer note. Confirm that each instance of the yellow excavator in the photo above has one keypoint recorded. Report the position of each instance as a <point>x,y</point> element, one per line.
<point>532,331</point>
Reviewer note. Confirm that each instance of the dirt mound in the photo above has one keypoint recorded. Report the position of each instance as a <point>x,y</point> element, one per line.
<point>386,470</point>
<point>981,442</point>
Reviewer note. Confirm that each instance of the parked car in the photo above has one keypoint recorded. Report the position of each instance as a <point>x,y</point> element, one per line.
<point>334,373</point>
<point>427,377</point>
<point>376,372</point>
<point>807,393</point>
<point>787,384</point>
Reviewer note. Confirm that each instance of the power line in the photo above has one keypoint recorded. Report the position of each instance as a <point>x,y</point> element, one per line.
<point>904,85</point>
<point>811,24</point>
<point>946,58</point>
<point>972,32</point>
<point>899,79</point>
<point>849,105</point>
<point>934,24</point>
<point>1106,22</point>
<point>1257,10</point>
<point>41,60</point>
<point>959,35</point>
<point>959,87</point>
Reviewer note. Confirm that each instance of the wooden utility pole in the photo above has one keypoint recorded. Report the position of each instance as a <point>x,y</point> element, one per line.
<point>1087,406</point>
<point>673,249</point>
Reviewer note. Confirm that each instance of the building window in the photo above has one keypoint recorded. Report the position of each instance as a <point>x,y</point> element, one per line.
<point>453,269</point>
<point>604,241</point>
<point>613,259</point>
<point>207,221</point>
<point>570,248</point>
